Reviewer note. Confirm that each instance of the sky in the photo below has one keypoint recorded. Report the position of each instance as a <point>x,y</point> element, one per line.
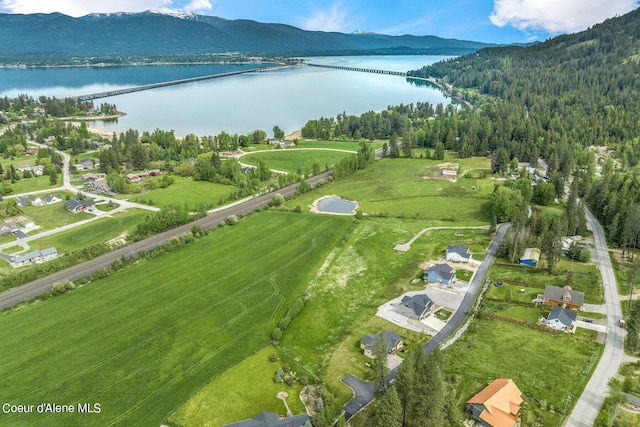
<point>492,21</point>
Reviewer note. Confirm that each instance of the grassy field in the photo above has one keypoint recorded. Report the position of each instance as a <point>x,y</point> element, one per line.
<point>554,366</point>
<point>53,216</point>
<point>290,160</point>
<point>398,187</point>
<point>358,277</point>
<point>242,394</point>
<point>142,341</point>
<point>185,191</point>
<point>37,183</point>
<point>94,232</point>
<point>585,278</point>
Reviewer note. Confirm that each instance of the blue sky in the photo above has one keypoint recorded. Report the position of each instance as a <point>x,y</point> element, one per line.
<point>498,21</point>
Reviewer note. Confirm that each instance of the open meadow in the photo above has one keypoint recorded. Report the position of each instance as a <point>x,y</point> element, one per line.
<point>145,339</point>
<point>291,160</point>
<point>408,188</point>
<point>186,191</point>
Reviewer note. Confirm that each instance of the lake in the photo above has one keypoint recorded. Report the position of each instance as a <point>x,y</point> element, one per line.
<point>237,104</point>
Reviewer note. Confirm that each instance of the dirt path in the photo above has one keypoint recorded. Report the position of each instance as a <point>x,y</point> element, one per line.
<point>406,246</point>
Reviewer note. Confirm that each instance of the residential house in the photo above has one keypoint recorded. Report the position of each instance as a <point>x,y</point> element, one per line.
<point>90,177</point>
<point>497,405</point>
<point>85,165</point>
<point>35,200</point>
<point>417,306</point>
<point>271,419</point>
<point>37,170</point>
<point>449,174</point>
<point>563,297</point>
<point>34,257</point>
<point>8,227</point>
<point>560,319</point>
<point>100,185</point>
<point>394,342</point>
<point>531,257</point>
<point>440,273</point>
<point>50,199</point>
<point>32,151</point>
<point>76,206</point>
<point>458,253</point>
<point>22,201</point>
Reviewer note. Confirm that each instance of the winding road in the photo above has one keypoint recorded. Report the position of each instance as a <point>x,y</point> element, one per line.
<point>364,390</point>
<point>589,403</point>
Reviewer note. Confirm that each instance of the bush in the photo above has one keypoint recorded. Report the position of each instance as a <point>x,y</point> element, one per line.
<point>232,220</point>
<point>69,285</point>
<point>45,295</point>
<point>273,357</point>
<point>58,288</point>
<point>276,334</point>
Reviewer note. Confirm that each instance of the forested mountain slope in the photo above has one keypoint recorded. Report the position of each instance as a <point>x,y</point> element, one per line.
<point>556,99</point>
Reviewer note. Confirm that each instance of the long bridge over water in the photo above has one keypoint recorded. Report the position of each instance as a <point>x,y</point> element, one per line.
<point>122,91</point>
<point>115,92</point>
<point>362,70</point>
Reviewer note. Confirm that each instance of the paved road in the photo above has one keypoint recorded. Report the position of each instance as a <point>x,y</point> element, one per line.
<point>33,289</point>
<point>590,402</point>
<point>365,394</point>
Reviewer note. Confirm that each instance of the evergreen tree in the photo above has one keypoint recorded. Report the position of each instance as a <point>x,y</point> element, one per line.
<point>439,151</point>
<point>388,410</point>
<point>380,367</point>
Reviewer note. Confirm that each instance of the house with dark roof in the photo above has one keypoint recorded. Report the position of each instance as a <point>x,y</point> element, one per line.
<point>563,297</point>
<point>440,273</point>
<point>560,319</point>
<point>458,253</point>
<point>394,342</point>
<point>497,405</point>
<point>271,419</point>
<point>417,306</point>
<point>75,206</point>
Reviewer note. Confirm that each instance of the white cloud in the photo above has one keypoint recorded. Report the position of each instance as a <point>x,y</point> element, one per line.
<point>198,6</point>
<point>557,16</point>
<point>333,18</point>
<point>84,7</point>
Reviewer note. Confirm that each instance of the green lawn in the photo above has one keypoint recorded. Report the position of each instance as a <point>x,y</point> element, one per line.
<point>290,160</point>
<point>185,191</point>
<point>585,278</point>
<point>27,185</point>
<point>359,276</point>
<point>242,394</point>
<point>86,235</point>
<point>398,187</point>
<point>554,366</point>
<point>142,341</point>
<point>53,216</point>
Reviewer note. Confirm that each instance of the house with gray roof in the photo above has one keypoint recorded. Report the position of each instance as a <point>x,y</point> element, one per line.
<point>417,306</point>
<point>458,253</point>
<point>563,297</point>
<point>76,206</point>
<point>271,419</point>
<point>34,257</point>
<point>560,319</point>
<point>394,342</point>
<point>440,273</point>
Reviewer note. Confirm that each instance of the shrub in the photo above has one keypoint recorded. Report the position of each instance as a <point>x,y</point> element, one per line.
<point>273,357</point>
<point>58,288</point>
<point>232,220</point>
<point>69,285</point>
<point>45,295</point>
<point>276,334</point>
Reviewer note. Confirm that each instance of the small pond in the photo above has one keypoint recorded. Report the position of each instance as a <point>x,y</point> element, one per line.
<point>336,205</point>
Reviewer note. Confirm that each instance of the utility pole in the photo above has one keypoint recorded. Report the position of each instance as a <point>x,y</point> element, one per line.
<point>567,404</point>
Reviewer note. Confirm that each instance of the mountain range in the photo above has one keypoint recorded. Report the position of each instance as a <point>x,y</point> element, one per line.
<point>43,36</point>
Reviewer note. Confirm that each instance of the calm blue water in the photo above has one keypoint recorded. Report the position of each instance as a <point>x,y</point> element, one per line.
<point>237,104</point>
<point>335,204</point>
